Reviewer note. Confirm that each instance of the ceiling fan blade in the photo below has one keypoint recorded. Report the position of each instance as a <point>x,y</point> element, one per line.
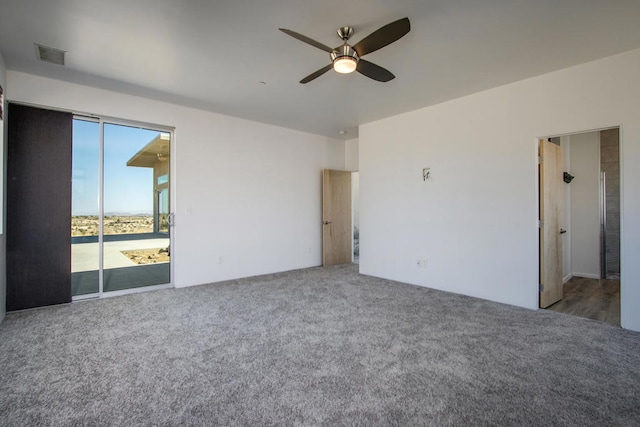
<point>306,39</point>
<point>374,71</point>
<point>317,74</point>
<point>382,37</point>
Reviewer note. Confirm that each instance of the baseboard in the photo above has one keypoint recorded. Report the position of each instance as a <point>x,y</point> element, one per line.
<point>587,275</point>
<point>566,278</point>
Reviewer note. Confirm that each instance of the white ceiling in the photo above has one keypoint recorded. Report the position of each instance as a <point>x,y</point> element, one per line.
<point>215,54</point>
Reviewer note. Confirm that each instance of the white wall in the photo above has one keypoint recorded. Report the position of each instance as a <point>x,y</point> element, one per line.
<point>475,220</point>
<point>254,190</point>
<point>3,245</point>
<point>351,155</point>
<point>355,200</point>
<point>585,205</point>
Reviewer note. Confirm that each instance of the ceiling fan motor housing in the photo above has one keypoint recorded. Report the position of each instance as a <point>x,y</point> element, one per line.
<point>344,51</point>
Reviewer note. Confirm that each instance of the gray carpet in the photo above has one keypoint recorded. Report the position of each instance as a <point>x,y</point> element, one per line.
<point>313,347</point>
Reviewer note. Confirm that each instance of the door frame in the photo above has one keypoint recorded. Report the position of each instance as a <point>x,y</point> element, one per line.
<point>535,151</point>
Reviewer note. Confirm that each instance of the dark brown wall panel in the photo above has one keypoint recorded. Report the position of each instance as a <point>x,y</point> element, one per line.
<point>38,207</point>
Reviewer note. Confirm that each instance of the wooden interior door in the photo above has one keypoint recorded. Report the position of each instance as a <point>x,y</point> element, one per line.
<point>38,207</point>
<point>551,189</point>
<point>336,217</point>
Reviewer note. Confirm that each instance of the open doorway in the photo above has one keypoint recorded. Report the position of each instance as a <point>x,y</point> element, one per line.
<point>588,232</point>
<point>340,217</point>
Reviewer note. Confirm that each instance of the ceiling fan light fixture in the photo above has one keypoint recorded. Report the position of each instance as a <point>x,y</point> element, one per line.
<point>345,65</point>
<point>345,60</point>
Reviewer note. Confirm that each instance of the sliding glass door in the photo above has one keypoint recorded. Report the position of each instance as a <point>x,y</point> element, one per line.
<point>120,208</point>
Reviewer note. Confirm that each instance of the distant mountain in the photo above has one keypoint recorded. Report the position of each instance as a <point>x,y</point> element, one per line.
<point>127,214</point>
<point>116,214</point>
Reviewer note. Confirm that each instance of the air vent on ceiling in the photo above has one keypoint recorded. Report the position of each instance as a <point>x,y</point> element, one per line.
<point>49,54</point>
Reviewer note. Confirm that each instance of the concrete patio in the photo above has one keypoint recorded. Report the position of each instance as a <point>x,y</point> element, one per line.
<point>84,256</point>
<point>120,272</point>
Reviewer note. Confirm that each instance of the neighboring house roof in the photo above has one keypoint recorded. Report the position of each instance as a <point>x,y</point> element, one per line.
<point>154,152</point>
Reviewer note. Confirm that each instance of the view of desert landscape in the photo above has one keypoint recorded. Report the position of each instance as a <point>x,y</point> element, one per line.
<point>87,225</point>
<point>148,256</point>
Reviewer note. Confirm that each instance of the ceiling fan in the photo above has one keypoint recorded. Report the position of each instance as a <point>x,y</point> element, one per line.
<point>347,59</point>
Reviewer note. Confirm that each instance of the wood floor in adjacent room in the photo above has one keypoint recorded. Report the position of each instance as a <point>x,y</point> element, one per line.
<point>591,298</point>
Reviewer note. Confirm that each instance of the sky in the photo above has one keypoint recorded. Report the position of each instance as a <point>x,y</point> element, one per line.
<point>126,189</point>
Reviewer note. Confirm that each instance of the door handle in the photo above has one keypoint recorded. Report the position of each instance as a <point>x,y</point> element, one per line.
<point>562,231</point>
<point>326,222</point>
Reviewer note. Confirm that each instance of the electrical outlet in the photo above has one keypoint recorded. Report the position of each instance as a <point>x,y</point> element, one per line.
<point>220,260</point>
<point>421,262</point>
